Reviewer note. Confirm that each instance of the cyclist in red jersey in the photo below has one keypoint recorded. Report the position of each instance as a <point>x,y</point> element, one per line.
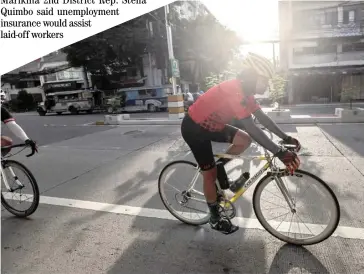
<point>208,120</point>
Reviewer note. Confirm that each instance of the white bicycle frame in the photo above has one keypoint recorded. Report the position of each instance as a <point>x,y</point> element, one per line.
<point>5,179</point>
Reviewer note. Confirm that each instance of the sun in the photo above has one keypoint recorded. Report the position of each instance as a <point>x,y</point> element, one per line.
<point>252,20</point>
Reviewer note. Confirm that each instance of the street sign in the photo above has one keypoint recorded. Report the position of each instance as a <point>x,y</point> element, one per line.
<point>175,68</point>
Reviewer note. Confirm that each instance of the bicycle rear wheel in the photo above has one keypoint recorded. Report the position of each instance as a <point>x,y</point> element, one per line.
<point>31,200</point>
<point>306,230</point>
<point>186,196</point>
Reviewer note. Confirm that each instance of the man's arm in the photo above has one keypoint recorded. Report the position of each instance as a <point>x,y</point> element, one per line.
<point>17,130</point>
<point>9,121</point>
<point>267,122</point>
<point>257,134</point>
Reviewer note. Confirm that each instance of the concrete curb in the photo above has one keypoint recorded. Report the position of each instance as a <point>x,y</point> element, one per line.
<point>280,117</point>
<point>141,122</point>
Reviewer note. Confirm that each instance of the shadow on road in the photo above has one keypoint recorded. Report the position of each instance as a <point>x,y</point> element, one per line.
<point>176,248</point>
<point>300,259</point>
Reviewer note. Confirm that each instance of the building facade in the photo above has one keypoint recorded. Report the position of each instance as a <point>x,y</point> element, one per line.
<point>187,10</point>
<point>30,84</point>
<point>68,79</point>
<point>322,49</point>
<point>38,86</point>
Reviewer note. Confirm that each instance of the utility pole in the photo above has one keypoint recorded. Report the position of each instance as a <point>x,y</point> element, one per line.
<point>274,56</point>
<point>170,47</point>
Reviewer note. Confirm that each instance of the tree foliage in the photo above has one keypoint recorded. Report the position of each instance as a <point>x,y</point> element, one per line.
<point>233,67</point>
<point>277,88</point>
<point>202,46</point>
<point>24,101</point>
<point>350,93</point>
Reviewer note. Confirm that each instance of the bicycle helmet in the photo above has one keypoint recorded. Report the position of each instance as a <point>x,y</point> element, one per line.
<point>258,64</point>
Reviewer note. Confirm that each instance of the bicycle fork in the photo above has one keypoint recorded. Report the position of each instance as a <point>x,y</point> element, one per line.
<point>285,193</point>
<point>5,179</point>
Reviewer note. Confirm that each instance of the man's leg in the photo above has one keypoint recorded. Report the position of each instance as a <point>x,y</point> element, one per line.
<point>239,140</point>
<point>240,143</point>
<point>203,154</point>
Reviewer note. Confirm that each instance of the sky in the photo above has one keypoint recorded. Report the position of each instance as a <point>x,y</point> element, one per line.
<point>252,20</point>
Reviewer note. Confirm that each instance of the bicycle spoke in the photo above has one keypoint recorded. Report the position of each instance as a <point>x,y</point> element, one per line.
<point>321,220</point>
<point>273,203</point>
<point>282,220</point>
<point>173,187</point>
<point>194,207</point>
<point>305,225</point>
<point>275,194</point>
<point>279,216</point>
<point>290,224</point>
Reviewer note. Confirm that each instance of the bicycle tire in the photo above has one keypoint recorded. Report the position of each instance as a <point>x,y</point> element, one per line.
<point>35,188</point>
<point>202,221</point>
<point>315,240</point>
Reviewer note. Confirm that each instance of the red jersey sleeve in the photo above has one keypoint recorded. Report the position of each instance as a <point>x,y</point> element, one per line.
<point>247,107</point>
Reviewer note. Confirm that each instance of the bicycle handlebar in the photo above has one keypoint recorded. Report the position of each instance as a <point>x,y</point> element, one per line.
<point>19,145</point>
<point>281,143</point>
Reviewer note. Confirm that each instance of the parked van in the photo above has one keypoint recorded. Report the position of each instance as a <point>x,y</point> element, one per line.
<point>139,99</point>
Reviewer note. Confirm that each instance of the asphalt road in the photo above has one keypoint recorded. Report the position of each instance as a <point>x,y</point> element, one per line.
<point>100,211</point>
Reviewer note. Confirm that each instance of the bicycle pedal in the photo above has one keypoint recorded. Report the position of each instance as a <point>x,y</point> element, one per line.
<point>233,229</point>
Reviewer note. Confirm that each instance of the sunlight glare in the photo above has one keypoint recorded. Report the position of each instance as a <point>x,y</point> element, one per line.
<point>252,20</point>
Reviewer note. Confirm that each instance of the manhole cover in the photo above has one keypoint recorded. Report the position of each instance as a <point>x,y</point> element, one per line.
<point>133,132</point>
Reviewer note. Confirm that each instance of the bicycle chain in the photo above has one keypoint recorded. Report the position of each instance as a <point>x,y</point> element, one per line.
<point>226,213</point>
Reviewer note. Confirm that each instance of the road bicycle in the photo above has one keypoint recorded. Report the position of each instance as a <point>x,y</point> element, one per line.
<point>273,177</point>
<point>31,201</point>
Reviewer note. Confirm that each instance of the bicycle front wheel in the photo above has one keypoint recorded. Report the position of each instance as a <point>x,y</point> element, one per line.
<point>290,219</point>
<point>186,202</point>
<point>23,186</point>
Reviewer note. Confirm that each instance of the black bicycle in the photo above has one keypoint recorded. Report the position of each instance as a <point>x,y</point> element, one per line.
<point>15,184</point>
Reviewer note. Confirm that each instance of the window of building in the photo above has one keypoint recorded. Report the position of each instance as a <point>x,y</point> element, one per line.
<point>50,77</point>
<point>331,17</point>
<point>326,49</point>
<point>304,51</point>
<point>348,16</point>
<point>351,16</point>
<point>30,84</point>
<point>352,47</point>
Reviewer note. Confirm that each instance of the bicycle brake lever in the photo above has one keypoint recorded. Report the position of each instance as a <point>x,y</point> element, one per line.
<point>31,154</point>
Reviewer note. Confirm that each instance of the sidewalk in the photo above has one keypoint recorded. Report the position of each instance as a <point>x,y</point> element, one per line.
<point>321,105</point>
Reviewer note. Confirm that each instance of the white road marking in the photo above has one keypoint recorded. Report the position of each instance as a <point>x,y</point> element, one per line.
<point>250,223</point>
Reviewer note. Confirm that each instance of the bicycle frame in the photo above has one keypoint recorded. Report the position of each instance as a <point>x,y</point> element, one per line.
<point>6,183</point>
<point>267,157</point>
<point>247,184</point>
<point>252,179</point>
<point>3,176</point>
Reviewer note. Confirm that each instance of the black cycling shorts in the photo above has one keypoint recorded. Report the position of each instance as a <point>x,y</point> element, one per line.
<point>199,140</point>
